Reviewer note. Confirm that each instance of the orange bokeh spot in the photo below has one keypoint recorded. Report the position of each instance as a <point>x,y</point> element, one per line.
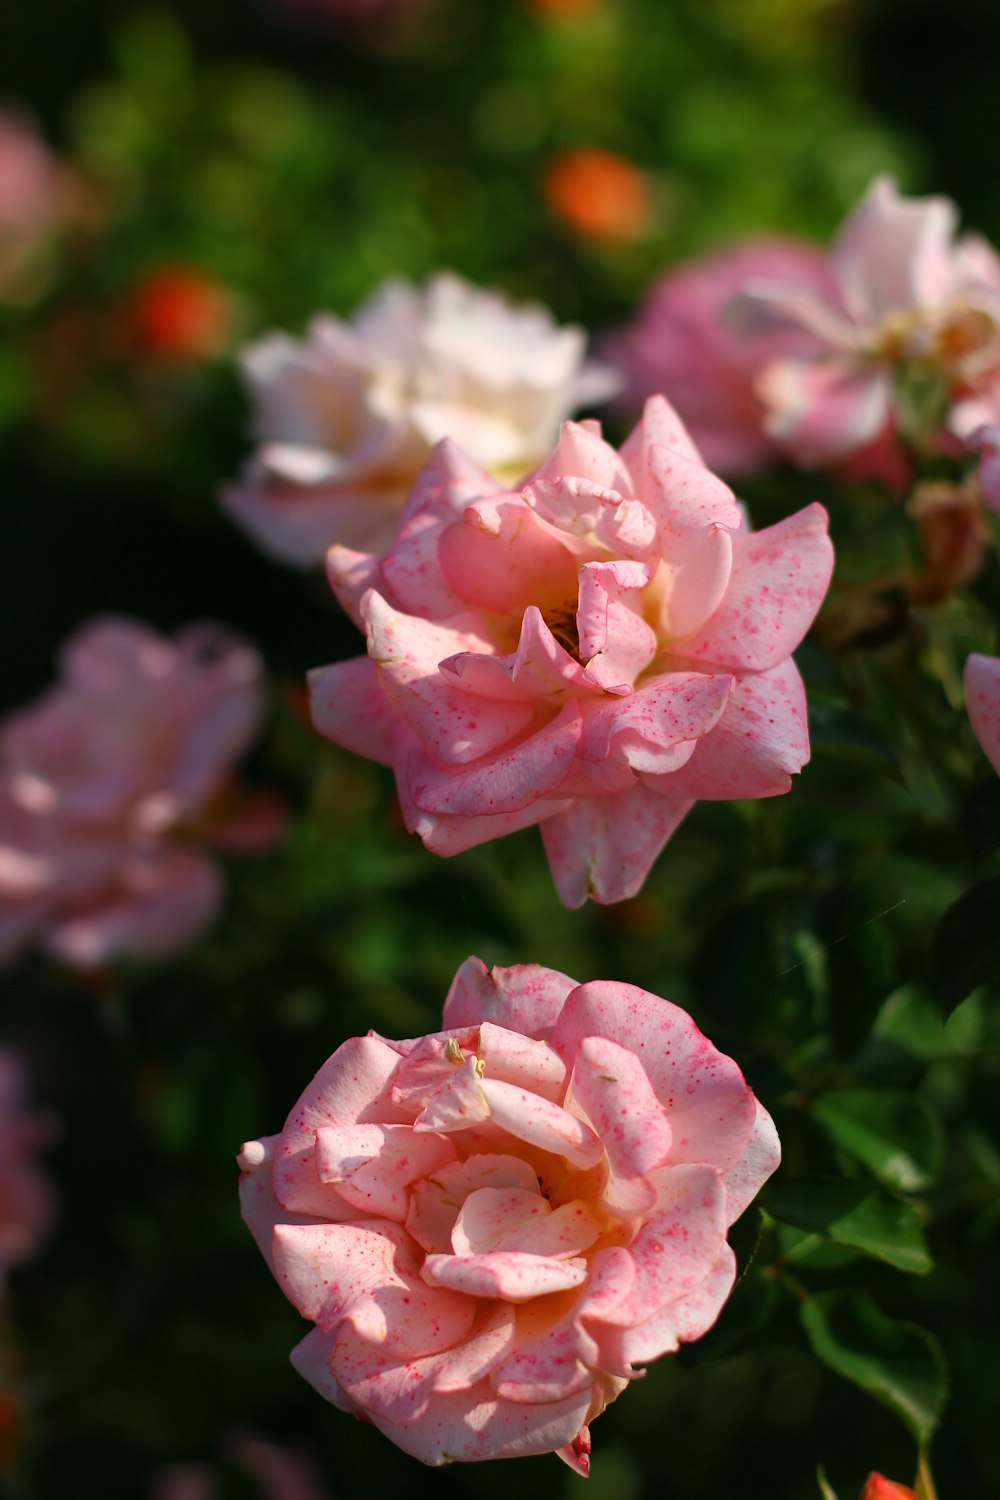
<point>599,194</point>
<point>877,1487</point>
<point>177,312</point>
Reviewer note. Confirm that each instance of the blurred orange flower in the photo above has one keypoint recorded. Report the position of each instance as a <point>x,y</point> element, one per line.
<point>599,194</point>
<point>877,1487</point>
<point>179,312</point>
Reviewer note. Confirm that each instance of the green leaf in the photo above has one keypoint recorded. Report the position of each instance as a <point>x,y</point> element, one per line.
<point>965,948</point>
<point>894,1136</point>
<point>858,1214</point>
<point>899,1364</point>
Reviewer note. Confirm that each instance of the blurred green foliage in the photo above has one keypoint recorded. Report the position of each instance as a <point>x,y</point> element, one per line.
<point>299,167</point>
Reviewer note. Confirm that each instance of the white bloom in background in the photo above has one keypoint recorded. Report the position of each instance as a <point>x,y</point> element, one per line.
<point>346,417</point>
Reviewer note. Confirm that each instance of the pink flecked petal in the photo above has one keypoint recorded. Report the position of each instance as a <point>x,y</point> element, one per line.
<point>567,1231</point>
<point>500,557</point>
<point>541,668</point>
<point>592,520</point>
<point>373,1166</point>
<point>508,1274</point>
<point>452,725</point>
<point>528,1117</point>
<point>435,1202</point>
<point>472,1425</point>
<point>553,1365</point>
<point>352,1087</point>
<point>446,834</point>
<point>982,703</point>
<point>515,1058</point>
<point>709,1106</point>
<point>759,742</point>
<point>259,1208</point>
<point>678,1244</point>
<point>761,1156</point>
<point>779,578</point>
<point>822,411</point>
<point>647,728</point>
<point>368,1274</point>
<point>164,900</point>
<point>458,1103</point>
<point>659,425</point>
<point>311,1358</point>
<point>685,496</point>
<point>524,997</point>
<point>583,453</point>
<point>694,578</point>
<point>603,847</point>
<point>615,640</point>
<point>505,783</point>
<point>491,1214</point>
<point>894,253</point>
<point>399,1391</point>
<point>350,575</point>
<point>347,705</point>
<point>608,1084</point>
<point>681,1321</point>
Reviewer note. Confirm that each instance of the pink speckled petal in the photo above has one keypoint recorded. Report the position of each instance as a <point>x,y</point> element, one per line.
<point>694,578</point>
<point>556,1363</point>
<point>524,997</point>
<point>452,725</point>
<point>459,1102</point>
<point>507,782</point>
<point>761,1156</point>
<point>583,453</point>
<point>540,668</point>
<point>756,746</point>
<point>490,1214</point>
<point>446,834</point>
<point>603,847</point>
<point>435,1202</point>
<point>348,706</point>
<point>370,1274</point>
<point>352,1087</point>
<point>778,581</point>
<point>311,1358</point>
<point>528,1117</point>
<point>373,1166</point>
<point>646,729</point>
<point>471,1425</point>
<point>350,575</point>
<point>982,702</point>
<point>500,557</point>
<point>508,1274</point>
<point>677,1245</point>
<point>610,1087</point>
<point>659,425</point>
<point>615,640</point>
<point>679,1322</point>
<point>709,1105</point>
<point>515,1058</point>
<point>259,1208</point>
<point>686,497</point>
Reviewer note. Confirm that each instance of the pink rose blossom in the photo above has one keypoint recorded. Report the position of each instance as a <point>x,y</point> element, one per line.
<point>108,777</point>
<point>27,1204</point>
<point>32,199</point>
<point>346,417</point>
<point>910,338</point>
<point>494,1227</point>
<point>982,702</point>
<point>681,344</point>
<point>592,653</point>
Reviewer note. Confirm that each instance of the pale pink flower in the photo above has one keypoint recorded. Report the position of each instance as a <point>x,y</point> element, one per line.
<point>32,199</point>
<point>593,653</point>
<point>910,340</point>
<point>682,345</point>
<point>109,782</point>
<point>982,703</point>
<point>27,1201</point>
<point>495,1227</point>
<point>986,442</point>
<point>345,417</point>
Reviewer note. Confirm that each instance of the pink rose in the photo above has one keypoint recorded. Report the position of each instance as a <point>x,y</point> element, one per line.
<point>107,778</point>
<point>32,200</point>
<point>346,417</point>
<point>592,654</point>
<point>910,338</point>
<point>27,1205</point>
<point>986,441</point>
<point>982,702</point>
<point>495,1226</point>
<point>682,344</point>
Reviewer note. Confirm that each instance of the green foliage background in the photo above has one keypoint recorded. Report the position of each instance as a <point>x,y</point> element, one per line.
<point>300,167</point>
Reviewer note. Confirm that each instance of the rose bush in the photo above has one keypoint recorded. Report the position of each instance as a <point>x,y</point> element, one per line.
<point>345,417</point>
<point>110,778</point>
<point>495,1226</point>
<point>592,654</point>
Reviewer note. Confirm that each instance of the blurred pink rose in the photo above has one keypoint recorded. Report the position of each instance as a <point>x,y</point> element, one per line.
<point>494,1226</point>
<point>911,338</point>
<point>592,654</point>
<point>278,1474</point>
<point>108,778</point>
<point>32,193</point>
<point>982,703</point>
<point>681,345</point>
<point>346,417</point>
<point>27,1204</point>
<point>986,442</point>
